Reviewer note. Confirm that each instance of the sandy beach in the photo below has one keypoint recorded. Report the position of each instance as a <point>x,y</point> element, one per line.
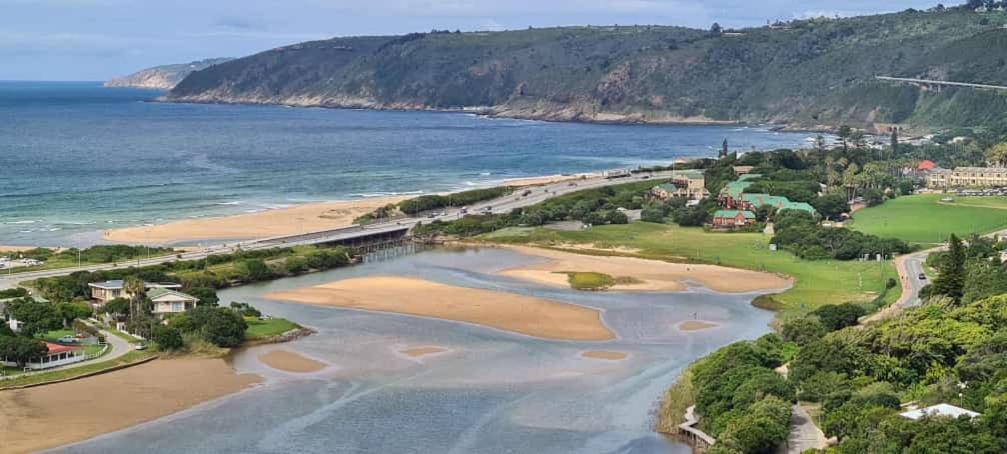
<point>505,311</point>
<point>16,248</point>
<point>419,352</point>
<point>290,362</point>
<point>43,417</point>
<point>650,275</point>
<point>606,355</point>
<point>696,325</point>
<point>311,217</point>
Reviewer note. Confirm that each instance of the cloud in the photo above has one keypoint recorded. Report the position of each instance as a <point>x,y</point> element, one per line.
<point>239,23</point>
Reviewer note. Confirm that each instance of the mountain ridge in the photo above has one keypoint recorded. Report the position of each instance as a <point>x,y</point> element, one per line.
<point>164,77</point>
<point>806,74</point>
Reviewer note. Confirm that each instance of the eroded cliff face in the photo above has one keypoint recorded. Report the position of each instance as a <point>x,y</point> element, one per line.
<point>162,77</point>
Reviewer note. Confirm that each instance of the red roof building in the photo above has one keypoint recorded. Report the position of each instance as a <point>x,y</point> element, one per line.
<point>57,349</point>
<point>926,165</point>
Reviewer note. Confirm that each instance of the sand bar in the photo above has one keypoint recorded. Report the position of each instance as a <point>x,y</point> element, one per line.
<point>44,417</point>
<point>290,362</point>
<point>696,325</point>
<point>606,355</point>
<point>310,217</point>
<point>417,352</point>
<point>653,275</point>
<point>506,311</point>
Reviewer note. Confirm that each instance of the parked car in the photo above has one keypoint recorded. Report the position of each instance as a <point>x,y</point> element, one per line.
<point>68,339</point>
<point>140,346</point>
<point>923,277</point>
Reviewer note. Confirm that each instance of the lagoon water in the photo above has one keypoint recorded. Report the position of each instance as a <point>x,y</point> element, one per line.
<point>76,158</point>
<point>493,392</point>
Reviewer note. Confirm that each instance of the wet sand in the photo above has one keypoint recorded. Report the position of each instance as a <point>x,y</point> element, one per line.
<point>305,218</point>
<point>290,362</point>
<point>418,352</point>
<point>43,417</point>
<point>526,315</point>
<point>652,275</point>
<point>606,355</point>
<point>695,325</point>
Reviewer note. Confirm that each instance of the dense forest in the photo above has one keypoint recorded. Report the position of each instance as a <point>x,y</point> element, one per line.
<point>814,72</point>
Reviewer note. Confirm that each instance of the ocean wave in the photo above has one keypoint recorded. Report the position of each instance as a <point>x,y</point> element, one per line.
<point>236,202</point>
<point>20,222</point>
<point>371,195</point>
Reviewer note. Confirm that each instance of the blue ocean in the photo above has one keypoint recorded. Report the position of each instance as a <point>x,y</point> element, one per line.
<point>77,158</point>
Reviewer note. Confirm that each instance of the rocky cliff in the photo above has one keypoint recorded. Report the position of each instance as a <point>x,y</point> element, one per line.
<point>162,77</point>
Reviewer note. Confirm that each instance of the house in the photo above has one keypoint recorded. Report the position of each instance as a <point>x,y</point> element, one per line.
<point>57,355</point>
<point>926,165</point>
<point>755,201</point>
<point>939,410</point>
<point>690,184</point>
<point>731,196</point>
<point>967,177</point>
<point>743,170</point>
<point>733,218</point>
<point>103,292</point>
<point>167,301</point>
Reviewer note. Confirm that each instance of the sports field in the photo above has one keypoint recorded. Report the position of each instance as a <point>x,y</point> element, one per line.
<point>924,219</point>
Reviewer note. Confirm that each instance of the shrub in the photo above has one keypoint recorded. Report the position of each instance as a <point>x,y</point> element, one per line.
<point>167,338</point>
<point>803,330</point>
<point>838,316</point>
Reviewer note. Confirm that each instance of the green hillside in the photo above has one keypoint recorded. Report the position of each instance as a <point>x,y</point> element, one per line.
<point>808,73</point>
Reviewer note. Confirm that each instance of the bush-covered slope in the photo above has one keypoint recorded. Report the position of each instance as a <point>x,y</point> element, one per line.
<point>814,72</point>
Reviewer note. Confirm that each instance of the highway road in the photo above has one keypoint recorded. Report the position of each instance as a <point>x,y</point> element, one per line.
<point>522,198</point>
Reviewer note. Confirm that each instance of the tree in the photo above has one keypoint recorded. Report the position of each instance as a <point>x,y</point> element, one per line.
<point>895,141</point>
<point>723,150</point>
<point>653,213</point>
<point>255,270</point>
<point>220,326</point>
<point>118,306</point>
<point>997,155</point>
<point>844,135</point>
<point>838,316</point>
<point>874,197</point>
<point>35,316</point>
<point>803,330</point>
<point>831,206</point>
<point>68,312</point>
<point>167,338</point>
<point>207,296</point>
<point>21,349</point>
<point>716,29</point>
<point>951,280</point>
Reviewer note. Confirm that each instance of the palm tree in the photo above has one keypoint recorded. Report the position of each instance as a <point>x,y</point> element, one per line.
<point>137,291</point>
<point>998,155</point>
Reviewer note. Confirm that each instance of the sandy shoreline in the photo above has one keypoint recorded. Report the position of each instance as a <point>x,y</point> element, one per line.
<point>605,355</point>
<point>652,275</point>
<point>310,217</point>
<point>419,352</point>
<point>505,311</point>
<point>290,362</point>
<point>44,417</point>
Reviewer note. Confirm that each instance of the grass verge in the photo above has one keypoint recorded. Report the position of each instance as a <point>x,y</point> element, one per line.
<point>81,371</point>
<point>261,329</point>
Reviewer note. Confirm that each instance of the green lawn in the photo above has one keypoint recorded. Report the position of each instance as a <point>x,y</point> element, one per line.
<point>258,329</point>
<point>817,282</point>
<point>924,219</point>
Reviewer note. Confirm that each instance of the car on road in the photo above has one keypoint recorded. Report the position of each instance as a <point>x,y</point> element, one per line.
<point>140,346</point>
<point>923,277</point>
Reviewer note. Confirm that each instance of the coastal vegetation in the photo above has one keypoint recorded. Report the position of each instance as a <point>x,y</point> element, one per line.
<point>806,72</point>
<point>432,202</point>
<point>72,257</point>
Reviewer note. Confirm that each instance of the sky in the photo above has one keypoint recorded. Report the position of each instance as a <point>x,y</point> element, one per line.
<point>99,39</point>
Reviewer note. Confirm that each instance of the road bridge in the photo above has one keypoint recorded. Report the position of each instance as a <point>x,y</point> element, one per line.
<point>938,84</point>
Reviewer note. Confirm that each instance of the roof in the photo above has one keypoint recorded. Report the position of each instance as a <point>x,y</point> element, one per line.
<point>108,285</point>
<point>733,214</point>
<point>947,410</point>
<point>735,189</point>
<point>55,349</point>
<point>158,292</point>
<point>779,202</point>
<point>926,164</point>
